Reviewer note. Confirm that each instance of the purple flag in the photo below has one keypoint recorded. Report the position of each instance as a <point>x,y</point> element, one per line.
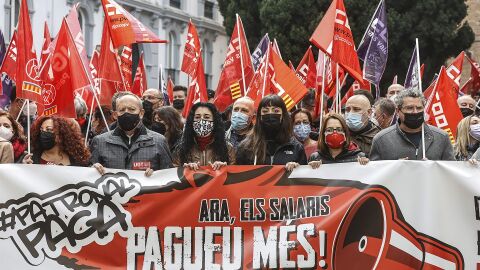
<point>260,51</point>
<point>3,48</point>
<point>411,80</point>
<point>163,88</point>
<point>373,50</point>
<point>7,83</point>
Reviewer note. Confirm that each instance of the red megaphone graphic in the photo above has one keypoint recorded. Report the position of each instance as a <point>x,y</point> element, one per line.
<point>373,235</point>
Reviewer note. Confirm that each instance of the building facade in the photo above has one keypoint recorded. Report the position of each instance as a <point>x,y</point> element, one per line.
<point>167,18</point>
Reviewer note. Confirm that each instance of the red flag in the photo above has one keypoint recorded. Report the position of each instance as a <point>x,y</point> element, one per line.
<point>27,71</point>
<point>87,93</point>
<point>473,83</point>
<point>334,37</point>
<point>126,66</point>
<point>77,34</point>
<point>9,65</point>
<point>46,44</point>
<point>443,111</point>
<point>275,77</point>
<point>170,86</point>
<point>197,91</point>
<point>356,86</point>
<point>260,84</point>
<point>454,72</point>
<point>231,85</point>
<point>66,71</point>
<point>109,72</point>
<point>191,53</point>
<point>276,49</point>
<point>307,70</point>
<point>140,83</point>
<point>124,28</point>
<point>286,83</point>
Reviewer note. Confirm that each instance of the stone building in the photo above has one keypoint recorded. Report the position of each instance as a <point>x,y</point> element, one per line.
<point>167,18</point>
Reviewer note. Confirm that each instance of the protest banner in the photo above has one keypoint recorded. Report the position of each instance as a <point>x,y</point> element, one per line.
<point>386,215</point>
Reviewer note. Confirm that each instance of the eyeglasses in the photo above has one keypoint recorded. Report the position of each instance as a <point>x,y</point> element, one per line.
<point>331,130</point>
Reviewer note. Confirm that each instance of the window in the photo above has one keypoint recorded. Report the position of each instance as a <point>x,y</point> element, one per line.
<point>172,56</point>
<point>176,3</point>
<point>81,20</point>
<point>208,10</point>
<point>207,62</point>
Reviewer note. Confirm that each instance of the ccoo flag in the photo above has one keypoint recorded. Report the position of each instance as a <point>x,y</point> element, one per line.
<point>334,36</point>
<point>124,28</point>
<point>373,49</point>
<point>442,110</point>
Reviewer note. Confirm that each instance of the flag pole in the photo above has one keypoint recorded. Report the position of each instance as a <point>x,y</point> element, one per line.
<point>336,89</point>
<point>420,90</point>
<point>323,88</point>
<point>28,126</point>
<point>371,20</point>
<point>90,121</point>
<point>241,54</point>
<point>266,70</point>
<point>21,109</point>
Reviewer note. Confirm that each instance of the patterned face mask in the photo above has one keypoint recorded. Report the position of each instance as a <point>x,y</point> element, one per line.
<point>202,127</point>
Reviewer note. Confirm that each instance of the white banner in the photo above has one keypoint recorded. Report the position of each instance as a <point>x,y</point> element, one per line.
<point>54,217</point>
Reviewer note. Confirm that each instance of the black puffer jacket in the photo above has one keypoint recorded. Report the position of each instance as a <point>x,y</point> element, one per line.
<point>347,155</point>
<point>291,151</point>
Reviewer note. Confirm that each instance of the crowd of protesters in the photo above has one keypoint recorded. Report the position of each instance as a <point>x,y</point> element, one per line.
<point>143,133</point>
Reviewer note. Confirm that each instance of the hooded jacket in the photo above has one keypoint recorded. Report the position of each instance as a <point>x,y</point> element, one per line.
<point>292,151</point>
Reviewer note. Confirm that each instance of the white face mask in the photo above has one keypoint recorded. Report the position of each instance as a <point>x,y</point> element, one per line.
<point>33,109</point>
<point>6,133</point>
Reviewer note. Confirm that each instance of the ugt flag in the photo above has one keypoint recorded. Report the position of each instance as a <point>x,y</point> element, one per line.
<point>260,51</point>
<point>373,49</point>
<point>413,76</point>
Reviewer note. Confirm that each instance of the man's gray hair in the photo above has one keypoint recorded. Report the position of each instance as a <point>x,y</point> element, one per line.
<point>80,106</point>
<point>409,92</point>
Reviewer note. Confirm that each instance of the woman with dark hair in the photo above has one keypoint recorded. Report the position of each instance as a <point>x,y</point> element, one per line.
<point>335,145</point>
<point>168,122</point>
<point>271,141</point>
<point>55,141</point>
<point>12,131</point>
<point>203,142</point>
<point>302,126</point>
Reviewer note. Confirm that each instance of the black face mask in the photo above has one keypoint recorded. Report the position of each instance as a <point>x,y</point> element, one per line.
<point>178,104</point>
<point>128,121</point>
<point>466,112</point>
<point>271,123</point>
<point>148,107</point>
<point>413,120</point>
<point>159,127</point>
<point>47,140</point>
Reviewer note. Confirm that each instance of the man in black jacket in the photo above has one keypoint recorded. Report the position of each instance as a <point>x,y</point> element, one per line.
<point>130,145</point>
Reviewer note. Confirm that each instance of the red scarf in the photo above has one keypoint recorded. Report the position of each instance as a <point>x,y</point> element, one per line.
<point>18,148</point>
<point>203,142</point>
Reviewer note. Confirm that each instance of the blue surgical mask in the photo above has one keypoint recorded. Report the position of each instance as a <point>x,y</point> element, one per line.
<point>475,131</point>
<point>239,120</point>
<point>354,121</point>
<point>302,131</point>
